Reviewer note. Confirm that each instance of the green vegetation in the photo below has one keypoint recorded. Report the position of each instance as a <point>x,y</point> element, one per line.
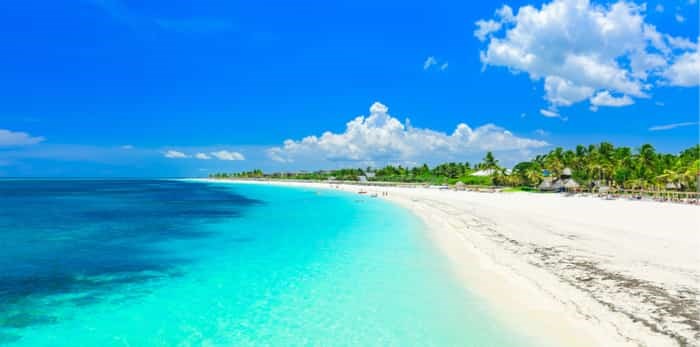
<point>605,164</point>
<point>617,167</point>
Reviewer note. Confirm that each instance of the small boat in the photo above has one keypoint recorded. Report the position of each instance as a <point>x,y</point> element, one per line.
<point>362,192</point>
<point>374,195</point>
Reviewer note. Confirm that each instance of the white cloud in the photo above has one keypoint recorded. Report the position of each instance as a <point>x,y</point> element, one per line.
<point>604,98</point>
<point>505,13</point>
<point>172,154</point>
<point>659,8</point>
<point>579,48</point>
<point>681,43</point>
<point>127,147</point>
<point>561,92</point>
<point>17,138</point>
<point>685,71</point>
<point>672,126</point>
<point>550,113</point>
<point>221,155</point>
<point>486,28</point>
<point>541,132</point>
<point>430,61</point>
<point>227,155</point>
<point>679,18</point>
<point>381,138</point>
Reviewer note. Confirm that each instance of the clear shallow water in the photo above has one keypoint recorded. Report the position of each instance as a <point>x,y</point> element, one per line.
<point>173,263</point>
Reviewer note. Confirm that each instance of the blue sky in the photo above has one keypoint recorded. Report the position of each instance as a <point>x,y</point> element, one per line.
<point>133,88</point>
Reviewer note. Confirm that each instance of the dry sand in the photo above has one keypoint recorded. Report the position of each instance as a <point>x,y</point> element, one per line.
<point>569,271</point>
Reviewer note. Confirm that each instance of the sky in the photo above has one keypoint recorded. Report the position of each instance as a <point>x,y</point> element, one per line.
<point>117,88</point>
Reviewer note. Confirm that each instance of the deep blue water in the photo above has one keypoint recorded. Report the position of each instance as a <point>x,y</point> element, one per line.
<point>168,263</point>
<point>56,235</point>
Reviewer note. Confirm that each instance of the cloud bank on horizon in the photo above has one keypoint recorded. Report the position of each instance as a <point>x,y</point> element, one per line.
<point>382,138</point>
<point>221,155</point>
<point>9,138</point>
<point>606,54</point>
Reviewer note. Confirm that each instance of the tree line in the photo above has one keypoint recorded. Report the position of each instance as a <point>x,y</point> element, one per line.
<point>600,164</point>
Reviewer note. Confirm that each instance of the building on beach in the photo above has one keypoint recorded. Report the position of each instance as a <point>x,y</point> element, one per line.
<point>565,182</point>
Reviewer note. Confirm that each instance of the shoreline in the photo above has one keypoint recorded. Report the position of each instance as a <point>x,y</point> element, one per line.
<point>587,272</point>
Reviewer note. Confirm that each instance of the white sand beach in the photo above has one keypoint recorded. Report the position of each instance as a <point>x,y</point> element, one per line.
<point>569,271</point>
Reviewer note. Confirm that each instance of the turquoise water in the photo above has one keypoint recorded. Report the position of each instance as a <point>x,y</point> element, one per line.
<point>172,263</point>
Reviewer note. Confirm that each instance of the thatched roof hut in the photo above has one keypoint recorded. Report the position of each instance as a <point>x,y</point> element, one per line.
<point>559,185</point>
<point>546,184</point>
<point>570,184</point>
<point>672,186</point>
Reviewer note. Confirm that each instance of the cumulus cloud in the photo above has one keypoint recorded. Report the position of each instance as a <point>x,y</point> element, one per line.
<point>172,154</point>
<point>561,92</point>
<point>672,126</point>
<point>202,156</point>
<point>681,43</point>
<point>685,71</point>
<point>444,66</point>
<point>17,138</point>
<point>582,49</point>
<point>680,18</point>
<point>127,147</point>
<point>227,155</point>
<point>604,98</point>
<point>381,138</point>
<point>484,28</point>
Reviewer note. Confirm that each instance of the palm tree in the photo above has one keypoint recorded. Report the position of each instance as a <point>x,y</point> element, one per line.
<point>670,177</point>
<point>636,183</point>
<point>691,175</point>
<point>489,162</point>
<point>646,160</point>
<point>534,176</point>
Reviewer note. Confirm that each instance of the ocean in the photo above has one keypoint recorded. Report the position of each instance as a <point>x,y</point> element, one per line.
<point>190,263</point>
